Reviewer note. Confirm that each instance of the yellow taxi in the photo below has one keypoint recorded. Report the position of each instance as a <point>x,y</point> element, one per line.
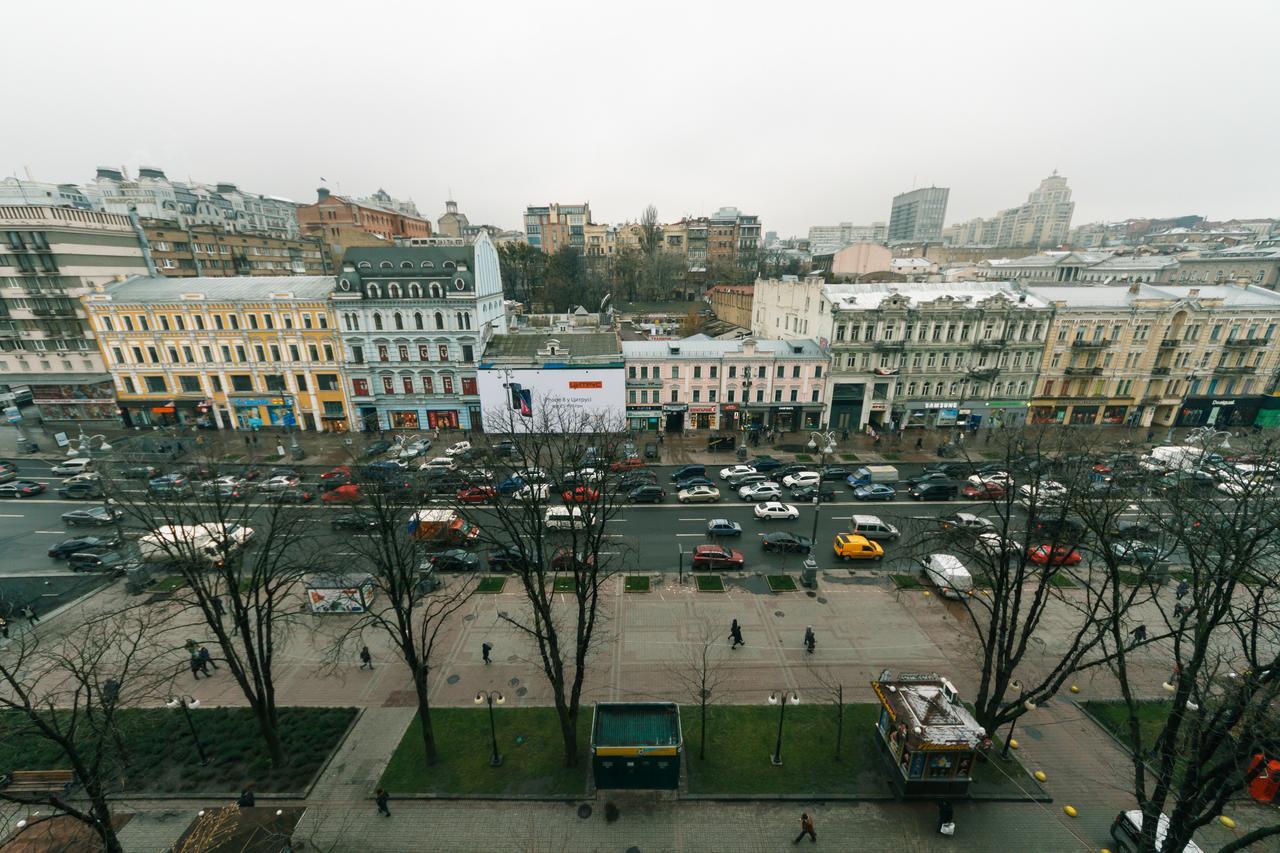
<point>850,546</point>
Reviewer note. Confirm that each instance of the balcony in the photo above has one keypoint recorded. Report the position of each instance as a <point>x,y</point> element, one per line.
<point>1153,400</point>
<point>1080,343</point>
<point>1084,371</point>
<point>983,372</point>
<point>1237,370</point>
<point>993,343</point>
<point>890,345</point>
<point>54,312</point>
<point>1241,343</point>
<point>1160,371</point>
<point>645,383</point>
<point>1167,343</point>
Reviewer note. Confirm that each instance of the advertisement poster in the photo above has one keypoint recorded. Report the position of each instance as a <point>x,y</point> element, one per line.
<point>534,400</point>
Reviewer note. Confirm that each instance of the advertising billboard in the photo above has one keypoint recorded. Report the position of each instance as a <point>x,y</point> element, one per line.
<point>554,400</point>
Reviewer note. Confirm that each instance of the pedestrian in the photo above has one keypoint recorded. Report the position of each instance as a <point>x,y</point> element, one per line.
<point>206,660</point>
<point>844,436</point>
<point>196,667</point>
<point>366,659</point>
<point>946,817</point>
<point>246,439</point>
<point>920,443</point>
<point>809,639</point>
<point>218,610</point>
<point>806,828</point>
<point>4,628</point>
<point>1178,610</point>
<point>485,648</point>
<point>246,799</point>
<point>876,440</point>
<point>191,646</point>
<point>381,799</point>
<point>735,635</point>
<point>110,691</point>
<point>30,612</point>
<point>1183,589</point>
<point>1150,435</point>
<point>1138,634</point>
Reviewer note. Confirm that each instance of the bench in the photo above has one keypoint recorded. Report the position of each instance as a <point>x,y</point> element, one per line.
<point>33,783</point>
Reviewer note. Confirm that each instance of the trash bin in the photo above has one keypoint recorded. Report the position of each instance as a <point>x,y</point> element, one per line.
<point>809,574</point>
<point>298,452</point>
<point>137,579</point>
<point>742,453</point>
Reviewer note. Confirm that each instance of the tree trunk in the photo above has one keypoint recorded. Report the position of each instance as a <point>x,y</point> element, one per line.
<point>702,738</point>
<point>102,812</point>
<point>839,719</point>
<point>270,733</point>
<point>424,717</point>
<point>569,731</point>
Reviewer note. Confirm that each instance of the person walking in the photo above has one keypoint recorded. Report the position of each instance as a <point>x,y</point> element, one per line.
<point>206,660</point>
<point>196,668</point>
<point>1138,634</point>
<point>366,659</point>
<point>30,612</point>
<point>218,609</point>
<point>920,443</point>
<point>4,628</point>
<point>485,648</point>
<point>381,798</point>
<point>946,816</point>
<point>806,828</point>
<point>1183,589</point>
<point>246,798</point>
<point>735,635</point>
<point>810,641</point>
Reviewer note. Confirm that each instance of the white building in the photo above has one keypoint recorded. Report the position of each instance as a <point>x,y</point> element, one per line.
<point>19,191</point>
<point>1044,221</point>
<point>824,239</point>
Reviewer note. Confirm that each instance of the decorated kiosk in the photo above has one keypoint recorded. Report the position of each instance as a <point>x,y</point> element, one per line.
<point>636,745</point>
<point>928,740</point>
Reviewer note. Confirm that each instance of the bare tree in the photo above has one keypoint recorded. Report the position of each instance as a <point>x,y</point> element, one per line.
<point>700,672</point>
<point>650,231</point>
<point>829,684</point>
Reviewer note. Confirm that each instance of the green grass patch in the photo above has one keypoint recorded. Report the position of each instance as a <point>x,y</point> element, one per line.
<point>491,585</point>
<point>892,457</point>
<point>169,583</point>
<point>1062,580</point>
<point>1114,717</point>
<point>528,738</point>
<point>907,581</point>
<point>849,457</point>
<point>159,754</point>
<point>803,457</point>
<point>636,583</point>
<point>781,583</point>
<point>709,583</point>
<point>564,584</point>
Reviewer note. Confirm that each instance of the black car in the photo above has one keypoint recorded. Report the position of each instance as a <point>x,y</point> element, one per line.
<point>67,547</point>
<point>95,516</point>
<point>764,464</point>
<point>787,543</point>
<point>170,486</point>
<point>934,491</point>
<point>930,477</point>
<point>690,482</point>
<point>112,562</point>
<point>949,470</point>
<point>8,465</point>
<point>721,442</point>
<point>291,495</point>
<point>140,472</point>
<point>687,471</point>
<point>646,494</point>
<point>353,521</point>
<point>636,479</point>
<point>376,448</point>
<point>824,493</point>
<point>505,558</point>
<point>788,470</point>
<point>81,490</point>
<point>1057,530</point>
<point>834,473</point>
<point>1136,529</point>
<point>454,560</point>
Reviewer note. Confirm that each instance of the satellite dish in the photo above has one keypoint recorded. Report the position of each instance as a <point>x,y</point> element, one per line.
<point>605,301</point>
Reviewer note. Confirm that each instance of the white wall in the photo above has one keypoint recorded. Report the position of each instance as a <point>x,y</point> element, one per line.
<point>597,403</point>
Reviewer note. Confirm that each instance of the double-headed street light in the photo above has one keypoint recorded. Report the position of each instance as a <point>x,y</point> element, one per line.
<point>492,697</point>
<point>186,703</point>
<point>1016,687</point>
<point>781,698</point>
<point>85,445</point>
<point>825,443</point>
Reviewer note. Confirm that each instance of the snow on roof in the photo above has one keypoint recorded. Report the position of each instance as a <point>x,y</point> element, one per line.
<point>1120,296</point>
<point>869,295</point>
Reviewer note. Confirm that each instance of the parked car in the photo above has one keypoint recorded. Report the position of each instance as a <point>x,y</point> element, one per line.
<point>170,486</point>
<point>504,448</point>
<point>477,494</point>
<point>948,574</point>
<point>822,492</point>
<point>67,547</point>
<point>353,521</point>
<point>1135,552</point>
<point>851,546</point>
<point>803,478</point>
<point>776,510</point>
<point>834,473</point>
<point>760,492</point>
<point>457,448</point>
<point>787,470</point>
<point>786,543</point>
<point>7,474</point>
<point>21,489</point>
<point>292,495</point>
<point>686,471</point>
<point>715,557</point>
<point>984,491</point>
<point>81,490</point>
<point>94,516</point>
<point>348,494</point>
<point>1057,555</point>
<point>71,467</point>
<point>875,492</point>
<point>453,560</point>
<point>580,495</point>
<point>376,448</point>
<point>699,494</point>
<point>723,527</point>
<point>1126,832</point>
<point>109,562</point>
<point>505,558</point>
<point>965,521</point>
<point>280,482</point>
<point>764,464</point>
<point>734,470</point>
<point>993,543</point>
<point>647,494</point>
<point>637,478</point>
<point>565,560</point>
<point>692,482</point>
<point>650,450</point>
<point>413,449</point>
<point>934,491</point>
<point>140,472</point>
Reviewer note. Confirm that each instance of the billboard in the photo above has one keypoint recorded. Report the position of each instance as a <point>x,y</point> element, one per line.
<point>553,400</point>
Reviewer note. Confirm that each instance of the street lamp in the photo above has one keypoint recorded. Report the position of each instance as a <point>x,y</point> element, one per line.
<point>781,698</point>
<point>85,445</point>
<point>186,703</point>
<point>1016,687</point>
<point>491,697</point>
<point>825,442</point>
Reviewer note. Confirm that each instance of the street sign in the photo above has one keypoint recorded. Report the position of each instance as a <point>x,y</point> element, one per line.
<point>61,438</point>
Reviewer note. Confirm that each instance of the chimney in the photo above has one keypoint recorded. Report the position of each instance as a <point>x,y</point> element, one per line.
<point>322,194</point>
<point>1134,287</point>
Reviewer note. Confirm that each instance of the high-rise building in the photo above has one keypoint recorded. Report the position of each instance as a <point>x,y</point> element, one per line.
<point>917,216</point>
<point>552,227</point>
<point>19,191</point>
<point>824,239</point>
<point>49,258</point>
<point>1043,222</point>
<point>210,251</point>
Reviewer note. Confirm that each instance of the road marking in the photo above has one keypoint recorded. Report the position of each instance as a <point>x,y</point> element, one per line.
<point>691,534</point>
<point>12,516</point>
<point>51,531</point>
<point>690,519</point>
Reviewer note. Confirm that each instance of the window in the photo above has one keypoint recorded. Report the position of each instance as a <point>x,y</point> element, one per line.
<point>294,355</point>
<point>447,382</point>
<point>675,395</point>
<point>697,395</point>
<point>187,356</point>
<point>327,381</point>
<point>733,371</point>
<point>129,386</point>
<point>142,324</point>
<point>152,355</point>
<point>288,321</point>
<point>439,320</point>
<point>407,383</point>
<point>382,353</point>
<point>782,371</point>
<point>417,319</point>
<point>713,371</point>
<point>173,355</point>
<point>275,382</point>
<point>398,320</point>
<point>777,395</point>
<point>403,351</point>
<point>233,320</point>
<point>631,372</point>
<point>814,397</point>
<point>360,387</point>
<point>388,385</point>
<point>377,322</point>
<point>217,321</point>
<point>357,354</point>
<point>760,372</point>
<point>794,395</point>
<point>259,352</point>
<point>697,371</point>
<point>268,321</point>
<point>468,353</point>
<point>427,386</point>
<point>253,321</point>
<point>240,382</point>
<point>300,381</point>
<point>275,352</point>
<point>675,371</point>
<point>155,385</point>
<point>468,385</point>
<point>711,396</point>
<point>117,355</point>
<point>729,392</point>
<point>443,350</point>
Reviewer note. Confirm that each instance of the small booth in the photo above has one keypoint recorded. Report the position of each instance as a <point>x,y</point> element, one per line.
<point>928,740</point>
<point>339,593</point>
<point>636,745</point>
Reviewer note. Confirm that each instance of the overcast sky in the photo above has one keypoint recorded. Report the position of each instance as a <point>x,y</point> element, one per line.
<point>801,113</point>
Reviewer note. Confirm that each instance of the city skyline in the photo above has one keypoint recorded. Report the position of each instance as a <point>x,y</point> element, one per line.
<point>686,156</point>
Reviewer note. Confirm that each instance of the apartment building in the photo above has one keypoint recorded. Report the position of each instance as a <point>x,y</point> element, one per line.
<point>1081,268</point>
<point>825,239</point>
<point>1251,263</point>
<point>917,216</point>
<point>732,303</point>
<point>49,258</point>
<point>413,320</point>
<point>24,191</point>
<point>222,353</point>
<point>211,251</point>
<point>552,227</point>
<point>1043,221</point>
<point>706,384</point>
<point>789,307</point>
<point>854,260</point>
<point>1156,355</point>
<point>344,223</point>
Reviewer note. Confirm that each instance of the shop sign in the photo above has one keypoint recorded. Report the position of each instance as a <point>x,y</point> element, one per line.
<point>932,405</point>
<point>643,413</point>
<point>729,407</point>
<point>879,407</point>
<point>261,401</point>
<point>703,410</point>
<point>1007,404</point>
<point>1224,402</point>
<point>675,407</point>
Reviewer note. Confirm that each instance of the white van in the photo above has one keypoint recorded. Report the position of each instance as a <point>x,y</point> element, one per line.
<point>1172,458</point>
<point>872,527</point>
<point>948,574</point>
<point>564,518</point>
<point>71,467</point>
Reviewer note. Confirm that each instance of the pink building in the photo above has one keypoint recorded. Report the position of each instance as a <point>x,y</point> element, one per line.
<point>855,260</point>
<point>703,383</point>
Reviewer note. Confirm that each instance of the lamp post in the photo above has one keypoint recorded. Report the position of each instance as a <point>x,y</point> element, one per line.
<point>1028,705</point>
<point>85,445</point>
<point>491,697</point>
<point>825,443</point>
<point>186,703</point>
<point>781,698</point>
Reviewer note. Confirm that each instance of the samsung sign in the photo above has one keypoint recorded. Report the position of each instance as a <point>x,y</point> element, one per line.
<point>559,400</point>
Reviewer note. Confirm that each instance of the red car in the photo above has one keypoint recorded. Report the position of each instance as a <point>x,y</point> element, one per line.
<point>1058,555</point>
<point>628,464</point>
<point>476,494</point>
<point>342,472</point>
<point>564,560</point>
<point>986,490</point>
<point>715,557</point>
<point>347,494</point>
<point>580,495</point>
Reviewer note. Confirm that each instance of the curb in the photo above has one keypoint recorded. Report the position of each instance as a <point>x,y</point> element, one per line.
<point>333,753</point>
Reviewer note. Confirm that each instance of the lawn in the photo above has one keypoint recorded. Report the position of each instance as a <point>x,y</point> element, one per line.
<point>709,583</point>
<point>781,583</point>
<point>636,583</point>
<point>907,581</point>
<point>1114,717</point>
<point>491,585</point>
<point>564,584</point>
<point>162,756</point>
<point>528,738</point>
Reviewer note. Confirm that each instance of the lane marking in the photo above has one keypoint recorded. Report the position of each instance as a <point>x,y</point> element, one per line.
<point>59,532</point>
<point>691,534</point>
<point>12,516</point>
<point>690,519</point>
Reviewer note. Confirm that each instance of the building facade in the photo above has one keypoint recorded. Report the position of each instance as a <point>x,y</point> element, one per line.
<point>344,223</point>
<point>1081,268</point>
<point>49,258</point>
<point>956,355</point>
<point>917,216</point>
<point>1254,263</point>
<point>413,321</point>
<point>704,384</point>
<point>452,223</point>
<point>210,251</point>
<point>1043,221</point>
<point>552,227</point>
<point>789,307</point>
<point>854,260</point>
<point>21,192</point>
<point>222,353</point>
<point>825,239</point>
<point>732,303</point>
<point>1149,355</point>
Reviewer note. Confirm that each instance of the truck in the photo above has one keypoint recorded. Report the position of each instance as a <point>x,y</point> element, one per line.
<point>208,543</point>
<point>868,474</point>
<point>442,526</point>
<point>1172,458</point>
<point>948,574</point>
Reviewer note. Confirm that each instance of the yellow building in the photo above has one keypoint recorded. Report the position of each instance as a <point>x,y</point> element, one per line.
<point>222,353</point>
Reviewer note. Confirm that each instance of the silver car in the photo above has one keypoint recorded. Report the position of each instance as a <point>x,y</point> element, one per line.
<point>767,491</point>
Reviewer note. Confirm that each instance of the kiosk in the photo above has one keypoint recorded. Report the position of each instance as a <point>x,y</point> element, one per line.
<point>928,740</point>
<point>636,745</point>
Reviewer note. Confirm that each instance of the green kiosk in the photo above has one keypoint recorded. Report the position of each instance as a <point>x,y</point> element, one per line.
<point>636,745</point>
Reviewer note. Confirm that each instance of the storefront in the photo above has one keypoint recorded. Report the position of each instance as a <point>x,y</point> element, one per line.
<point>730,417</point>
<point>930,413</point>
<point>402,419</point>
<point>87,401</point>
<point>991,414</point>
<point>702,417</point>
<point>184,413</point>
<point>641,419</point>
<point>258,412</point>
<point>443,419</point>
<point>1048,414</point>
<point>1220,412</point>
<point>674,415</point>
<point>927,739</point>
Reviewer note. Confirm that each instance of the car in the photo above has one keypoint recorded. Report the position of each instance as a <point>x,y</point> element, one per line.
<point>81,490</point>
<point>650,450</point>
<point>723,527</point>
<point>935,491</point>
<point>439,463</point>
<point>583,475</point>
<point>111,562</point>
<point>477,494</point>
<point>1126,832</point>
<point>1057,555</point>
<point>376,448</point>
<point>338,475</point>
<point>445,484</point>
<point>1136,528</point>
<point>412,449</point>
<point>786,543</point>
<point>967,521</point>
<point>71,467</point>
<point>875,492</point>
<point>226,481</point>
<point>8,465</point>
<point>851,546</point>
<point>733,470</point>
<point>506,447</point>
<point>802,478</point>
<point>563,559</point>
<point>686,471</point>
<point>764,464</point>
<point>952,470</point>
<point>346,494</point>
<point>993,542</point>
<point>1000,478</point>
<point>627,464</point>
<point>580,495</point>
<point>716,557</point>
<point>21,489</point>
<point>505,558</point>
<point>647,494</point>
<point>1193,479</point>
<point>821,492</point>
<point>638,477</point>
<point>511,485</point>
<point>457,448</point>
<point>929,477</point>
<point>532,492</point>
<point>169,485</point>
<point>67,547</point>
<point>292,495</point>
<point>1045,491</point>
<point>983,491</point>
<point>834,473</point>
<point>454,560</point>
<point>1057,528</point>
<point>280,482</point>
<point>532,475</point>
<point>353,521</point>
<point>699,494</point>
<point>1136,552</point>
<point>776,509</point>
<point>737,481</point>
<point>1240,486</point>
<point>760,492</point>
<point>94,516</point>
<point>787,470</point>
<point>7,474</point>
<point>140,472</point>
<point>693,482</point>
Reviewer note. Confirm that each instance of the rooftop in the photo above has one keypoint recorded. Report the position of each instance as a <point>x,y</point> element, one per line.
<point>1120,296</point>
<point>927,704</point>
<point>702,346</point>
<point>536,346</point>
<point>267,288</point>
<point>869,295</point>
